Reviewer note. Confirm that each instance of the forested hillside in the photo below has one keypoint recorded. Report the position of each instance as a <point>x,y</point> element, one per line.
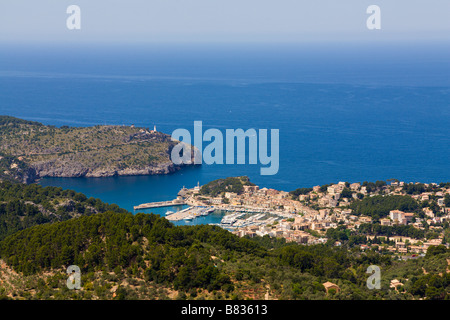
<point>23,206</point>
<point>144,256</point>
<point>230,184</point>
<point>379,206</point>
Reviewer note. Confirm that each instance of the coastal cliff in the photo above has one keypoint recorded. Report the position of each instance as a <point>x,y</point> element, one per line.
<point>30,150</point>
<point>57,168</point>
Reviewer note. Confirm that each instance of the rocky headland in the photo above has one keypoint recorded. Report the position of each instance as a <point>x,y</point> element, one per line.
<point>30,150</point>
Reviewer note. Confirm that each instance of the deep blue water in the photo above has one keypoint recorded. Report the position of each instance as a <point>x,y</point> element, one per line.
<point>345,113</point>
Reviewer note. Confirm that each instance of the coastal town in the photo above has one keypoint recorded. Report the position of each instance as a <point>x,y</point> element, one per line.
<point>306,216</point>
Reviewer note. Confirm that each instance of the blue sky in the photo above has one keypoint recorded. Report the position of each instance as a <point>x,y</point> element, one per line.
<point>223,20</point>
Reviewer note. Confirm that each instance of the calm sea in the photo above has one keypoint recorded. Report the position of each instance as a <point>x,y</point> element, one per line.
<point>345,112</point>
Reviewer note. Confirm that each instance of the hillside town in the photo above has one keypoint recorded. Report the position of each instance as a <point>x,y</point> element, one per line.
<point>305,216</point>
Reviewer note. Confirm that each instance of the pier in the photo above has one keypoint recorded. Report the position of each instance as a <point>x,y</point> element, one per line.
<point>159,204</point>
<point>190,213</point>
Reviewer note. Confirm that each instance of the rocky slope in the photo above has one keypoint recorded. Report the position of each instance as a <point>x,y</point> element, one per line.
<point>58,168</point>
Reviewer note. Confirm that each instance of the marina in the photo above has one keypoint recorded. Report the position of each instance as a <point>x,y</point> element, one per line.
<point>159,204</point>
<point>230,216</point>
<point>190,213</point>
<point>231,219</point>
